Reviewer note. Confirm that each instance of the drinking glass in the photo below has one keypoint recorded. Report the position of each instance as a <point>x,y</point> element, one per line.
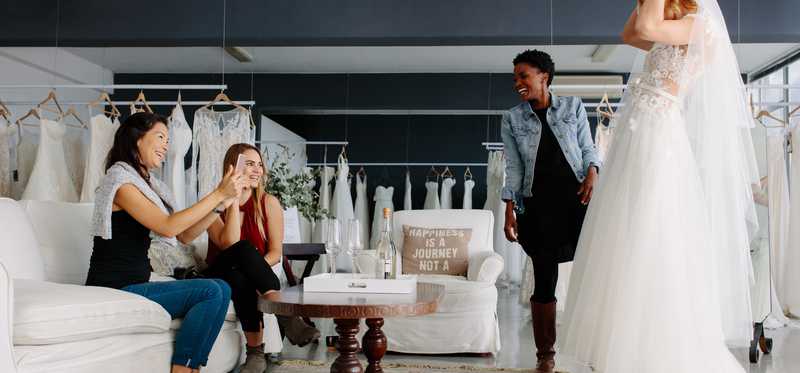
<point>354,244</point>
<point>333,242</point>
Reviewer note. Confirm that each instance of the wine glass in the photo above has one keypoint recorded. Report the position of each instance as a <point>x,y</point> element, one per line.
<point>354,244</point>
<point>333,242</point>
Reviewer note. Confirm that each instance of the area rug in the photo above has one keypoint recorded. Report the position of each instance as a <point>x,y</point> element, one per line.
<point>304,366</point>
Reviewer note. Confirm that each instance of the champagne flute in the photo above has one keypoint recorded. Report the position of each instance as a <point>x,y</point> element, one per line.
<point>354,244</point>
<point>333,242</point>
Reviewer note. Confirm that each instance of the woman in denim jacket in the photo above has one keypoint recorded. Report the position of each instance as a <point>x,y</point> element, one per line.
<point>551,167</point>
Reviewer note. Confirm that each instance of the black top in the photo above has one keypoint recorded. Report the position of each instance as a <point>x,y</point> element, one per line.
<point>553,214</point>
<point>122,260</point>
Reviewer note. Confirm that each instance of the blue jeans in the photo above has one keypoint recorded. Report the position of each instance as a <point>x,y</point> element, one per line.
<point>201,303</point>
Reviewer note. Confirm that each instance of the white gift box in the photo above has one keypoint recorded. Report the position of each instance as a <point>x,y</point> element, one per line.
<point>358,283</point>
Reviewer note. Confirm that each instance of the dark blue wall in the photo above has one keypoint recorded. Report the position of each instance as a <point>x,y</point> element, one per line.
<point>355,22</point>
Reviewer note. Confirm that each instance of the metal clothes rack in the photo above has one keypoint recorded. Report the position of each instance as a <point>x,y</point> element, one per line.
<point>151,103</point>
<point>409,164</point>
<point>183,87</point>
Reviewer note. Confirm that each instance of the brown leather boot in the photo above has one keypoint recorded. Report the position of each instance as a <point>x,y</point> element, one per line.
<point>544,335</point>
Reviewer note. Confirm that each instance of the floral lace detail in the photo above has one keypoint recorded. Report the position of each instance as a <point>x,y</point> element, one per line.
<point>662,73</point>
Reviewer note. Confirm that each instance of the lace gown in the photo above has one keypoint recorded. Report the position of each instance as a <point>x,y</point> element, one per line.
<point>102,130</point>
<point>362,209</point>
<point>214,133</point>
<point>180,139</point>
<point>326,175</point>
<point>343,209</point>
<point>5,159</point>
<point>640,298</point>
<point>76,146</point>
<point>383,199</point>
<point>27,147</point>
<point>50,179</point>
<point>447,193</point>
<point>792,275</point>
<point>602,138</point>
<point>432,196</point>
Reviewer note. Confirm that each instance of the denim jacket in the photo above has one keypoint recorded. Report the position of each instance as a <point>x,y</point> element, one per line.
<point>521,131</point>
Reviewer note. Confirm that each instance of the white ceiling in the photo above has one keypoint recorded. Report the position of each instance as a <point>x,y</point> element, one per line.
<point>438,59</point>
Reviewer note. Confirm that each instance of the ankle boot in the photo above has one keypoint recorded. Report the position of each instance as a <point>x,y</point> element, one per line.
<point>256,362</point>
<point>298,332</point>
<point>544,335</point>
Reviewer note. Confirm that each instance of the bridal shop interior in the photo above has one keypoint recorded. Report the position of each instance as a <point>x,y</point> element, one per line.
<point>355,107</point>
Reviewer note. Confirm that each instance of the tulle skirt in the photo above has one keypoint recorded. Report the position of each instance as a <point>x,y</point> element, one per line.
<point>641,296</point>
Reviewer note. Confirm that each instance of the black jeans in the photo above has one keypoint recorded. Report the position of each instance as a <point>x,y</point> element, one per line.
<point>545,277</point>
<point>247,273</point>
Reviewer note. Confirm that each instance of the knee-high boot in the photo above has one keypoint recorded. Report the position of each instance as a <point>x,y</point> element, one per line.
<point>544,335</point>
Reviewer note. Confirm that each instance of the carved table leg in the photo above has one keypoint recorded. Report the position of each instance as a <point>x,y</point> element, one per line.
<point>374,345</point>
<point>347,345</point>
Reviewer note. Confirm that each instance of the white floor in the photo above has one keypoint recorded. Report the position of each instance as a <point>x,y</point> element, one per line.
<point>518,350</point>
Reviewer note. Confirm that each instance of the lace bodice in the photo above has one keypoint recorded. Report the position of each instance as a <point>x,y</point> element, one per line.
<point>656,88</point>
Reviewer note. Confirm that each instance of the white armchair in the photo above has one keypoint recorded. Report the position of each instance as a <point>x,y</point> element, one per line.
<point>466,319</point>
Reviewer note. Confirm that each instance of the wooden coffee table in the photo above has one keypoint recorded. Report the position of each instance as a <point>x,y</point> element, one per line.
<point>346,310</point>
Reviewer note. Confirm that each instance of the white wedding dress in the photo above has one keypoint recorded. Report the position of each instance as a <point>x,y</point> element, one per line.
<point>326,175</point>
<point>640,299</point>
<point>27,147</point>
<point>407,197</point>
<point>180,139</point>
<point>791,300</point>
<point>383,199</point>
<point>102,130</point>
<point>343,209</point>
<point>602,139</point>
<point>447,193</point>
<point>779,214</point>
<point>5,158</point>
<point>466,203</point>
<point>76,146</point>
<point>50,179</point>
<point>362,209</point>
<point>214,133</point>
<point>432,196</point>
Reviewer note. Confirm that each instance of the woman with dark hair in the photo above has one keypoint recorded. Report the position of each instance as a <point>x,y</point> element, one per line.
<point>130,204</point>
<point>244,243</point>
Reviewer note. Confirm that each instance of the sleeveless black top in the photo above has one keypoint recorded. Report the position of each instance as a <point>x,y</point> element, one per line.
<point>122,260</point>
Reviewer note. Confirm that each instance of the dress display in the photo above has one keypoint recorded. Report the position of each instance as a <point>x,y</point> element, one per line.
<point>383,199</point>
<point>214,133</point>
<point>447,193</point>
<point>326,175</point>
<point>779,213</point>
<point>407,196</point>
<point>602,139</point>
<point>27,148</point>
<point>101,130</point>
<point>466,204</point>
<point>5,158</point>
<point>180,139</point>
<point>432,196</point>
<point>343,209</point>
<point>641,297</point>
<point>50,179</point>
<point>791,291</point>
<point>362,209</point>
<point>76,144</point>
<point>511,252</point>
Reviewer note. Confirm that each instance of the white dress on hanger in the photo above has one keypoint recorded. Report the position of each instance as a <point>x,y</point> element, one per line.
<point>407,197</point>
<point>5,159</point>
<point>50,179</point>
<point>362,209</point>
<point>102,130</point>
<point>214,133</point>
<point>791,300</point>
<point>343,211</point>
<point>512,253</point>
<point>447,193</point>
<point>432,196</point>
<point>602,139</point>
<point>779,213</point>
<point>180,139</point>
<point>76,144</point>
<point>466,204</point>
<point>383,199</point>
<point>326,175</point>
<point>27,147</point>
<point>306,224</point>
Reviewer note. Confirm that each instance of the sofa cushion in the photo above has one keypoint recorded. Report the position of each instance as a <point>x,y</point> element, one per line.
<point>47,313</point>
<point>19,250</point>
<point>462,295</point>
<point>440,251</point>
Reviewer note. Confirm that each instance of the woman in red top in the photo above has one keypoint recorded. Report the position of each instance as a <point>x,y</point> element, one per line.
<point>250,234</point>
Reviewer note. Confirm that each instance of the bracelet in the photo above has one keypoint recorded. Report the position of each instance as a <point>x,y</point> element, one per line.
<point>219,210</point>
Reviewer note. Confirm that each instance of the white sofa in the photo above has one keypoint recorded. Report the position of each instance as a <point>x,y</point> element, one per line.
<point>466,319</point>
<point>50,322</point>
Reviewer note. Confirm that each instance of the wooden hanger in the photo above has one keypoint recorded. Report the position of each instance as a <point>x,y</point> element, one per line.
<point>4,110</point>
<point>432,173</point>
<point>604,107</point>
<point>105,98</point>
<point>140,99</point>
<point>765,113</point>
<point>361,171</point>
<point>31,113</point>
<point>222,97</point>
<point>447,173</point>
<point>74,114</point>
<point>51,96</point>
<point>791,113</point>
<point>467,174</point>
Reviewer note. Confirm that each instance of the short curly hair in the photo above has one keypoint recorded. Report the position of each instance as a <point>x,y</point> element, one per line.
<point>539,60</point>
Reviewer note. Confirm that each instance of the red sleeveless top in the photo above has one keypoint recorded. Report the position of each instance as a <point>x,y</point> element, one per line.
<point>249,229</point>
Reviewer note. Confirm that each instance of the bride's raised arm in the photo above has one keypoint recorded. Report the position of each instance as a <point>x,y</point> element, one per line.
<point>629,35</point>
<point>651,25</point>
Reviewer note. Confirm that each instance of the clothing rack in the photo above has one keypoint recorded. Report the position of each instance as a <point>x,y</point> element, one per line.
<point>151,103</point>
<point>183,87</point>
<point>412,164</point>
<point>303,142</point>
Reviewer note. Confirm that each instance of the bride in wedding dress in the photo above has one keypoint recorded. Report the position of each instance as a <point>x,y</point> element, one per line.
<point>660,281</point>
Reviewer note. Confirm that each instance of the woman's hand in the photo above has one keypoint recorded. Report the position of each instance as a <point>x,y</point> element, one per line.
<point>231,185</point>
<point>587,187</point>
<point>511,223</point>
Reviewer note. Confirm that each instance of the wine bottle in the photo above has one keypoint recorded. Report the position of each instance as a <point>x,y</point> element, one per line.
<point>387,251</point>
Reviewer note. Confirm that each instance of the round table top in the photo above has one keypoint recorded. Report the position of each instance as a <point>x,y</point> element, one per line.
<point>294,302</point>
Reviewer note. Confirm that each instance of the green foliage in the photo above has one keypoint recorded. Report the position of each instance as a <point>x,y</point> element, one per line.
<point>295,190</point>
